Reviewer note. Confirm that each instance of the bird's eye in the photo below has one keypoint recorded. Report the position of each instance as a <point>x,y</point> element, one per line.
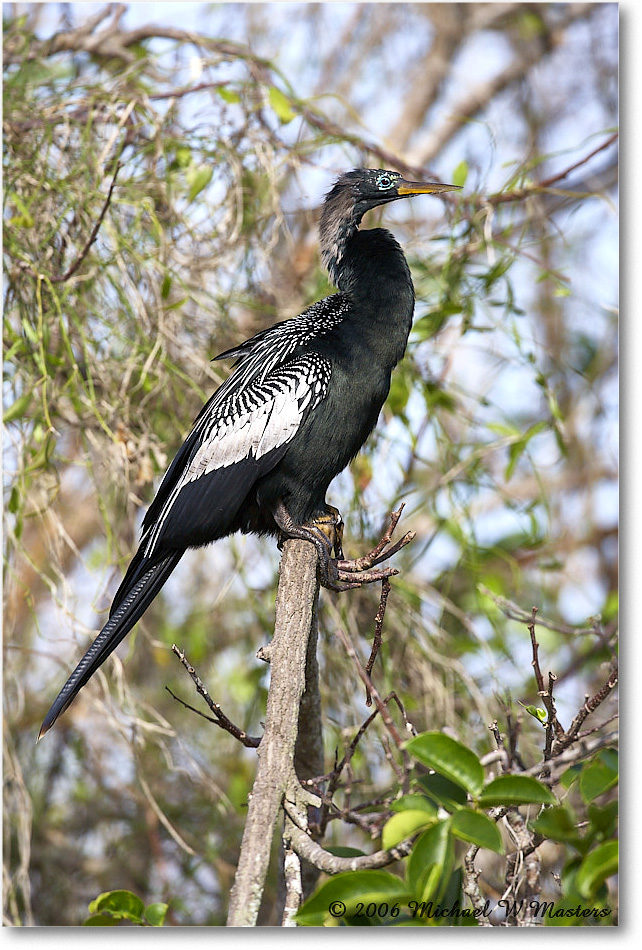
<point>384,182</point>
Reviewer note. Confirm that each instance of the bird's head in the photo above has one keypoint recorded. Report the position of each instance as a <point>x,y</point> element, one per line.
<point>366,188</point>
<point>352,195</point>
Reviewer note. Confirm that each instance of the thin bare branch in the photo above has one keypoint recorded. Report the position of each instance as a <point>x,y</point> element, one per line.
<point>590,705</point>
<point>376,643</point>
<point>219,719</point>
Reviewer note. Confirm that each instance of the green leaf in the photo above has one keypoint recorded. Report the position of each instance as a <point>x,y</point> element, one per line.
<point>30,332</point>
<point>229,95</point>
<point>516,790</point>
<point>413,803</point>
<point>430,862</point>
<point>598,864</point>
<point>119,903</point>
<point>496,271</point>
<point>449,758</point>
<point>182,157</point>
<point>18,408</point>
<point>443,792</point>
<point>536,712</point>
<point>598,776</point>
<point>603,818</point>
<point>166,286</point>
<point>25,218</point>
<point>350,888</point>
<point>570,775</point>
<point>517,449</point>
<point>177,304</point>
<point>155,914</point>
<point>13,505</point>
<point>404,824</point>
<point>558,824</point>
<point>473,826</point>
<point>198,179</point>
<point>41,458</point>
<point>460,174</point>
<point>281,105</point>
<point>101,920</point>
<point>341,851</point>
<point>399,393</point>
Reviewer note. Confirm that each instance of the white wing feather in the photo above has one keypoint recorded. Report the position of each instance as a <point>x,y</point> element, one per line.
<point>266,416</point>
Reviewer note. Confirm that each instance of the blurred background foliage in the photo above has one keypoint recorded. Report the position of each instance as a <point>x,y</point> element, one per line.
<point>218,129</point>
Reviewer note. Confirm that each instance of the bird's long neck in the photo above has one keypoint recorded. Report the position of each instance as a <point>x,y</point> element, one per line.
<point>339,223</point>
<point>373,270</point>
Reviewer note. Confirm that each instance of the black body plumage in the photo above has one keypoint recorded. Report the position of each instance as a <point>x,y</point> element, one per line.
<point>302,400</point>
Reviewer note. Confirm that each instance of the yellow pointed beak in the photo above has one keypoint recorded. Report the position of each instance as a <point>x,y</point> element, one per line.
<point>423,187</point>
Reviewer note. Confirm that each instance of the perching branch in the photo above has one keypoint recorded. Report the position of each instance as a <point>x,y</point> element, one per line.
<point>290,752</point>
<point>275,776</point>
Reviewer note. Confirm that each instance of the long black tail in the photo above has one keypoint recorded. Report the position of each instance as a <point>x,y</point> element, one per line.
<point>129,609</point>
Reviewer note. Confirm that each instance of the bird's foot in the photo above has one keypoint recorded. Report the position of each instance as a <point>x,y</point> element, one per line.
<point>326,533</point>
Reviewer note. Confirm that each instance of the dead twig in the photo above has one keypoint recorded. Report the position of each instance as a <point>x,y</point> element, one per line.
<point>590,705</point>
<point>333,778</point>
<point>558,739</point>
<point>553,726</point>
<point>220,719</point>
<point>514,612</point>
<point>378,634</point>
<point>518,194</point>
<point>380,552</point>
<point>61,278</point>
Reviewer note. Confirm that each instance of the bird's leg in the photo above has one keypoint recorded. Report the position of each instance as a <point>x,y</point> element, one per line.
<point>331,524</point>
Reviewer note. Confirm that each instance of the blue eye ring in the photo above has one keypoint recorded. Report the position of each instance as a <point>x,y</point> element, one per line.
<point>385,182</point>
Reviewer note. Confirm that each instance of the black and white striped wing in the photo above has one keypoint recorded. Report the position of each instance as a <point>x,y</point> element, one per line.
<point>260,354</point>
<point>241,435</point>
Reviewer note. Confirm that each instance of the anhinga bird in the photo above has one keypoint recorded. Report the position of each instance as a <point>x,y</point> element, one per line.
<point>304,396</point>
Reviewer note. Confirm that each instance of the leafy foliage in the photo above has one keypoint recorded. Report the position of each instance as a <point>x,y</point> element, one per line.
<point>108,909</point>
<point>430,891</point>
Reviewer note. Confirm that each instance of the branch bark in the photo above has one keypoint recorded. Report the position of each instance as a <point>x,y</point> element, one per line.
<point>275,777</point>
<point>333,864</point>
